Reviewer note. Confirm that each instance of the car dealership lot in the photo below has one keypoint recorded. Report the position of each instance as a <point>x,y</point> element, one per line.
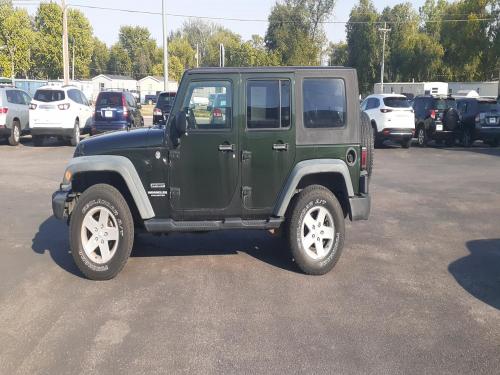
<point>417,289</point>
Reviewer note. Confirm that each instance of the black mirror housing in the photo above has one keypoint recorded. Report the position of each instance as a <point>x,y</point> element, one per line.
<point>180,123</point>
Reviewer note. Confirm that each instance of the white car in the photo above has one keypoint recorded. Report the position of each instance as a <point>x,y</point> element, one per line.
<point>61,111</point>
<point>392,118</point>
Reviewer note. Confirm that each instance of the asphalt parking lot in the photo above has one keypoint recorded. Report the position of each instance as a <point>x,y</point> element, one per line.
<point>417,289</point>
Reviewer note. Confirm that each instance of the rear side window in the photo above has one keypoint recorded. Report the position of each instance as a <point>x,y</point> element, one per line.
<point>268,104</point>
<point>396,102</point>
<point>442,104</point>
<point>109,99</point>
<point>49,95</point>
<point>130,100</point>
<point>324,103</point>
<point>14,97</point>
<point>75,96</point>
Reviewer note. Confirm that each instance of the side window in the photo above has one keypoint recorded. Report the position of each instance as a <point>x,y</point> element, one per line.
<point>83,99</point>
<point>208,105</point>
<point>13,96</point>
<point>26,97</point>
<point>74,95</point>
<point>324,103</point>
<point>268,104</point>
<point>363,105</point>
<point>376,103</point>
<point>130,99</point>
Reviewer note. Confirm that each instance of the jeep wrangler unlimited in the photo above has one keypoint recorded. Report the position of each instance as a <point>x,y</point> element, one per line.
<point>281,148</point>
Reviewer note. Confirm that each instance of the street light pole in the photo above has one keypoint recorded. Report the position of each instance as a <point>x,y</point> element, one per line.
<point>222,55</point>
<point>73,61</point>
<point>165,44</point>
<point>65,42</point>
<point>384,31</point>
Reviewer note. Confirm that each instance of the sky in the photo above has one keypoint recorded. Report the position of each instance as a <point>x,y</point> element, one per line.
<point>106,23</point>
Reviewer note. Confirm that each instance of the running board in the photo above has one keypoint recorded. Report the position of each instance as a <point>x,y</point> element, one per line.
<point>169,225</point>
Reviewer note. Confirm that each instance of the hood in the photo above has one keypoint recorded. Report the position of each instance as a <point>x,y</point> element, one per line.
<point>109,143</point>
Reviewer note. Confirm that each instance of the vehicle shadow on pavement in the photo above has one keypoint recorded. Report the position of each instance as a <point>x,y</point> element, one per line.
<point>258,244</point>
<point>52,237</point>
<point>479,272</point>
<point>478,149</point>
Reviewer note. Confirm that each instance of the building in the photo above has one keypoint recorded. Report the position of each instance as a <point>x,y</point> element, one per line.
<point>482,88</point>
<point>152,85</point>
<point>114,82</point>
<point>490,88</point>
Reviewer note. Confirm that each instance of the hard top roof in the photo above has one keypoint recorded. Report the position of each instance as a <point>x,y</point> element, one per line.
<point>265,69</point>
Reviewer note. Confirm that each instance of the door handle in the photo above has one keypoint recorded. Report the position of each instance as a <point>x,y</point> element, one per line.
<point>280,146</point>
<point>226,147</point>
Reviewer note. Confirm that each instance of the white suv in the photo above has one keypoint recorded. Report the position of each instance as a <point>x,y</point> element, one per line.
<point>61,111</point>
<point>392,118</point>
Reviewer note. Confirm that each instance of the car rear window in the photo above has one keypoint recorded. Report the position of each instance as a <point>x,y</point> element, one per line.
<point>109,99</point>
<point>492,106</point>
<point>166,99</point>
<point>442,104</point>
<point>396,102</point>
<point>49,95</point>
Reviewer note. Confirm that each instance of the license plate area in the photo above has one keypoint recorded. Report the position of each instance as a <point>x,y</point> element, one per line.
<point>493,120</point>
<point>108,114</point>
<point>439,127</point>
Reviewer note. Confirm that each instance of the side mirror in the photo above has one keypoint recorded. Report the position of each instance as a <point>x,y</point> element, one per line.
<point>180,123</point>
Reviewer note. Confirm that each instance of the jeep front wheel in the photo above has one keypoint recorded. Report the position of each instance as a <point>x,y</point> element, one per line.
<point>101,232</point>
<point>316,230</point>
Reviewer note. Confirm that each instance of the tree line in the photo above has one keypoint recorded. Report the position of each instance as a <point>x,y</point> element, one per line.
<point>423,44</point>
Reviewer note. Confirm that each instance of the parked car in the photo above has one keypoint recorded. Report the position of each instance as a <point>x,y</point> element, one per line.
<point>300,163</point>
<point>479,119</point>
<point>163,106</point>
<point>14,113</point>
<point>116,110</point>
<point>391,118</point>
<point>61,111</point>
<point>150,99</point>
<point>436,118</point>
<point>218,109</point>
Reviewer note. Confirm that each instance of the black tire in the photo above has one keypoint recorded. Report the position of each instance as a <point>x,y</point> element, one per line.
<point>422,138</point>
<point>75,138</point>
<point>449,142</point>
<point>406,143</point>
<point>99,197</point>
<point>451,119</point>
<point>37,140</point>
<point>312,197</point>
<point>15,133</point>
<point>467,139</point>
<point>367,140</point>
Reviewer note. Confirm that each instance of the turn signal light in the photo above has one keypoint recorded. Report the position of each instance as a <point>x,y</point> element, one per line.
<point>432,113</point>
<point>364,157</point>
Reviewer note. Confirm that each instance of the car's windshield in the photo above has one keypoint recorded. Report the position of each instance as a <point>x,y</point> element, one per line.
<point>492,106</point>
<point>396,102</point>
<point>442,104</point>
<point>49,95</point>
<point>112,99</point>
<point>166,99</point>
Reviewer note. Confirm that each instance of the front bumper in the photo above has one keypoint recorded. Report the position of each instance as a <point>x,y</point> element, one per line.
<point>62,203</point>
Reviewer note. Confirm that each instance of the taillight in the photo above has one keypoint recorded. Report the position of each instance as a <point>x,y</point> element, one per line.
<point>32,106</point>
<point>63,107</point>
<point>478,118</point>
<point>217,112</point>
<point>364,157</point>
<point>157,112</point>
<point>385,110</point>
<point>124,104</point>
<point>432,114</point>
<point>3,110</point>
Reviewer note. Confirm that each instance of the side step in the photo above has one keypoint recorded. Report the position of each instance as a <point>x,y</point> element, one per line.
<point>169,225</point>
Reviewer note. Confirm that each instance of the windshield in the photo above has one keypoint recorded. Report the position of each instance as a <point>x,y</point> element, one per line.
<point>442,104</point>
<point>492,106</point>
<point>396,102</point>
<point>112,99</point>
<point>166,99</point>
<point>49,95</point>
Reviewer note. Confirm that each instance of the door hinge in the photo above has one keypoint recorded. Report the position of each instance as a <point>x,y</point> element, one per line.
<point>246,155</point>
<point>175,193</point>
<point>246,191</point>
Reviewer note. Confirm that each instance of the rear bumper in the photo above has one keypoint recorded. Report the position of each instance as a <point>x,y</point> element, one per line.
<point>397,134</point>
<point>64,132</point>
<point>360,205</point>
<point>98,127</point>
<point>487,133</point>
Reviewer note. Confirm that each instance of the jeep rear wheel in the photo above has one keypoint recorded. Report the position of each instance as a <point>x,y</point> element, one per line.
<point>101,232</point>
<point>316,230</point>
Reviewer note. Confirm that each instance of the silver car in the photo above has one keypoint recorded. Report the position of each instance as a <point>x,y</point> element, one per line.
<point>14,113</point>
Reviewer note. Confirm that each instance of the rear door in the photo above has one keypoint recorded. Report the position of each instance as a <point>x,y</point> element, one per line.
<point>14,104</point>
<point>26,99</point>
<point>109,107</point>
<point>267,142</point>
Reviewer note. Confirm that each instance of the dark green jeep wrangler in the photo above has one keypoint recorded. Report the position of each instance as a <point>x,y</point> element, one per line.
<point>244,148</point>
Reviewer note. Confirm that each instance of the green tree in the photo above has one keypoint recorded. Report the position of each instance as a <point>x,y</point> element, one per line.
<point>99,59</point>
<point>363,43</point>
<point>17,37</point>
<point>80,36</point>
<point>231,42</point>
<point>198,33</point>
<point>338,54</point>
<point>119,61</point>
<point>140,47</point>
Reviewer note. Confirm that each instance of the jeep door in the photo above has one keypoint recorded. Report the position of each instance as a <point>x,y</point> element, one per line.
<point>267,141</point>
<point>205,166</point>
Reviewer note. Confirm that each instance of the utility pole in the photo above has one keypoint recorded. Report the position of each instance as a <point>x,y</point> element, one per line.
<point>222,55</point>
<point>165,44</point>
<point>197,55</point>
<point>384,31</point>
<point>65,42</point>
<point>73,61</point>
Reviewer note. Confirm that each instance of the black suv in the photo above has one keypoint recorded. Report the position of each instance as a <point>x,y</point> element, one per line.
<point>480,119</point>
<point>436,118</point>
<point>116,110</point>
<point>162,107</point>
<point>292,153</point>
